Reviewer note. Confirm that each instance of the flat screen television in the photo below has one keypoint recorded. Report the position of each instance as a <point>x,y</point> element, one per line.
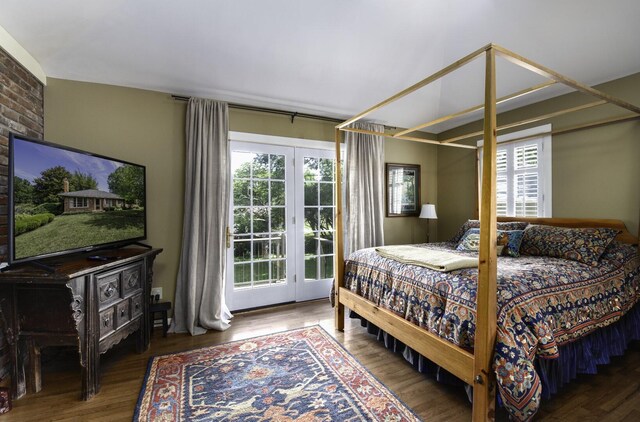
<point>63,200</point>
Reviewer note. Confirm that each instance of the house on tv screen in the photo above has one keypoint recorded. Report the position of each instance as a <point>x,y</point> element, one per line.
<point>89,200</point>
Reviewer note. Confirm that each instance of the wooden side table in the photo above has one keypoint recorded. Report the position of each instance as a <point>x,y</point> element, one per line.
<point>162,308</point>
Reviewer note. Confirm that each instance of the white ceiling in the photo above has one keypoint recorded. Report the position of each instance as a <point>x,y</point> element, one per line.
<point>329,57</point>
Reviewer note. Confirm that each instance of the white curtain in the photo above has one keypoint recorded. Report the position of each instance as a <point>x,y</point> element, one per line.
<point>200,303</point>
<point>364,188</point>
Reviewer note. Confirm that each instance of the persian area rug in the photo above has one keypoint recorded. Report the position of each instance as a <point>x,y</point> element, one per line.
<point>298,375</point>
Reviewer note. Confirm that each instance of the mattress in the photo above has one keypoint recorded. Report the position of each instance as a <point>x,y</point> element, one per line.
<point>543,303</point>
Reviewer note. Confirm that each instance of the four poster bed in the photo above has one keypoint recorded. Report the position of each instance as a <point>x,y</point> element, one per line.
<point>477,322</point>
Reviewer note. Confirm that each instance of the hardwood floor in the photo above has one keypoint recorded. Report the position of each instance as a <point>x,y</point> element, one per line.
<point>612,395</point>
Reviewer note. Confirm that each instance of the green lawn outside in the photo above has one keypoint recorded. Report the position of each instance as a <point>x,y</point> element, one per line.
<point>74,231</point>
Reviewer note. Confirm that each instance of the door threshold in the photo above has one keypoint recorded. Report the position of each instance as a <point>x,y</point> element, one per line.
<point>276,305</point>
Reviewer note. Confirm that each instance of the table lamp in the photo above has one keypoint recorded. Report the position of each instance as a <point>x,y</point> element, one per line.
<point>429,212</point>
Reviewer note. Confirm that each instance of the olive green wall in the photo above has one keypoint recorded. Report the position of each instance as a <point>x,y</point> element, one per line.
<point>147,127</point>
<point>456,189</point>
<point>143,127</point>
<point>595,171</point>
<point>403,230</point>
<point>276,125</point>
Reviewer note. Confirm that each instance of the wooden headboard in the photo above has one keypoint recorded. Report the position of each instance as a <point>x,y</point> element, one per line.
<point>624,236</point>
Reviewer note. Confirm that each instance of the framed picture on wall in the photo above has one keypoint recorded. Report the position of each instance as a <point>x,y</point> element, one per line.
<point>402,189</point>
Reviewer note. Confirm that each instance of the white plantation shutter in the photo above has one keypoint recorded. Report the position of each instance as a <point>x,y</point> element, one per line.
<point>502,183</point>
<point>526,195</point>
<point>526,156</point>
<point>523,174</point>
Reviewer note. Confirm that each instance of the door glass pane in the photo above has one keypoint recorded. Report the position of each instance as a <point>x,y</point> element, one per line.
<point>310,244</point>
<point>259,214</point>
<point>310,219</point>
<point>326,267</point>
<point>326,218</point>
<point>260,273</point>
<point>277,166</point>
<point>260,193</point>
<point>260,249</point>
<point>326,242</point>
<point>261,166</point>
<point>326,193</point>
<point>311,268</point>
<point>277,247</point>
<point>310,168</point>
<point>241,220</point>
<point>311,193</point>
<point>242,275</point>
<point>277,193</point>
<point>278,271</point>
<point>260,219</point>
<point>277,219</point>
<point>242,249</point>
<point>241,164</point>
<point>326,169</point>
<point>241,192</point>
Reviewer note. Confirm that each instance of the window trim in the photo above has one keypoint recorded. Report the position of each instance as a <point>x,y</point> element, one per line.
<point>257,138</point>
<point>545,161</point>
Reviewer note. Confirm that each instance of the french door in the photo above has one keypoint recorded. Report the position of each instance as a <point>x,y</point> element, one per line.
<point>315,209</point>
<point>280,234</point>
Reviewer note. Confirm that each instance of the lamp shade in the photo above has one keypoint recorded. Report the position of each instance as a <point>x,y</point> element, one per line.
<point>428,211</point>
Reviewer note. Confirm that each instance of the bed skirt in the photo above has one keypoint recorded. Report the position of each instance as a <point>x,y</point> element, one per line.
<point>579,357</point>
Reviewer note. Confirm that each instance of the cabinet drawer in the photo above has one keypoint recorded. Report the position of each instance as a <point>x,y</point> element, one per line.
<point>122,313</point>
<point>106,322</point>
<point>136,306</point>
<point>108,289</point>
<point>131,280</point>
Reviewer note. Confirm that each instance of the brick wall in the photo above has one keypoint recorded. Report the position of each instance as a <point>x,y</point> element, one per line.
<point>21,111</point>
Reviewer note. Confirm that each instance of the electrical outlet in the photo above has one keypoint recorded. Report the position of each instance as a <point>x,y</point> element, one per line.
<point>156,291</point>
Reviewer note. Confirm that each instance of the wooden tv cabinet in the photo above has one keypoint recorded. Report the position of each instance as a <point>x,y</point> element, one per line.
<point>92,305</point>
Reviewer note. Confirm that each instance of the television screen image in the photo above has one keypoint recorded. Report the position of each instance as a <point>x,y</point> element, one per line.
<point>65,200</point>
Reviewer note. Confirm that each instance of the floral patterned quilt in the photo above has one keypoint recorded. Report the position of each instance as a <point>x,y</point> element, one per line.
<point>543,303</point>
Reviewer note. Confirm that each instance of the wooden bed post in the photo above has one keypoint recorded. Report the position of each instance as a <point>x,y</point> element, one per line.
<point>339,236</point>
<point>476,211</point>
<point>484,386</point>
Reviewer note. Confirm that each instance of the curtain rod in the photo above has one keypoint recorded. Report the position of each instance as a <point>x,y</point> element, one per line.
<point>291,114</point>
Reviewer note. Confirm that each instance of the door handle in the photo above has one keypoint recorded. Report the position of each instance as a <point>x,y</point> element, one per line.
<point>229,237</point>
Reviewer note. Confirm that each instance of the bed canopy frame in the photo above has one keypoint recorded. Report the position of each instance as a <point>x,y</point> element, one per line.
<point>474,367</point>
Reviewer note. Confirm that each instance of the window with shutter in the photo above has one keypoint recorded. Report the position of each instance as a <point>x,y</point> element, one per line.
<point>523,173</point>
<point>502,182</point>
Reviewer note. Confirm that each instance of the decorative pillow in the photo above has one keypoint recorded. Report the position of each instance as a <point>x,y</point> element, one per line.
<point>471,242</point>
<point>508,242</point>
<point>474,224</point>
<point>584,245</point>
<point>511,240</point>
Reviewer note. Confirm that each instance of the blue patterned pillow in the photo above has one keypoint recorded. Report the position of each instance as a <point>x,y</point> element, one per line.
<point>511,240</point>
<point>584,245</point>
<point>475,224</point>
